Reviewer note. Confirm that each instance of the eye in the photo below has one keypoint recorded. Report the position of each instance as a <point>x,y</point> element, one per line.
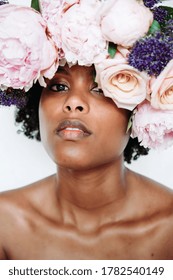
<point>58,87</point>
<point>97,90</point>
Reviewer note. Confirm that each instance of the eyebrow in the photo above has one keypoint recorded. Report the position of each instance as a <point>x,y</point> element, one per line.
<point>62,70</point>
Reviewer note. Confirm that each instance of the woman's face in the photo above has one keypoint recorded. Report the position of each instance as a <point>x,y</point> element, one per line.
<point>80,128</point>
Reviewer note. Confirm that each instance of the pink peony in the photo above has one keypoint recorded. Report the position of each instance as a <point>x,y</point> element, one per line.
<point>52,12</point>
<point>26,53</point>
<point>82,41</point>
<point>162,89</point>
<point>124,22</point>
<point>121,82</point>
<point>154,128</point>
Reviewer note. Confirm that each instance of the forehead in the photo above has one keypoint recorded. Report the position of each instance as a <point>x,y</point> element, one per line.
<point>76,69</point>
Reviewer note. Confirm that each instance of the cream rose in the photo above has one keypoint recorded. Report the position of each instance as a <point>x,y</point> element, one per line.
<point>121,82</point>
<point>124,22</point>
<point>162,89</point>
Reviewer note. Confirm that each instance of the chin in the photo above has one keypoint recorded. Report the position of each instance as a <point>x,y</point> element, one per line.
<point>74,164</point>
<point>84,163</point>
<point>72,159</point>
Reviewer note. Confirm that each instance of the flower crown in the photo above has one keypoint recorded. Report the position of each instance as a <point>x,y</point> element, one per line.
<point>130,44</point>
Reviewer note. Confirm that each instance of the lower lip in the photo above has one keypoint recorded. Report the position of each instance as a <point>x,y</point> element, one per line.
<point>72,134</point>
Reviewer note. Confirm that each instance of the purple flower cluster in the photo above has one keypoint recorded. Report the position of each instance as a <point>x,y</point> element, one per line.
<point>160,14</point>
<point>13,97</point>
<point>151,54</point>
<point>168,28</point>
<point>150,3</point>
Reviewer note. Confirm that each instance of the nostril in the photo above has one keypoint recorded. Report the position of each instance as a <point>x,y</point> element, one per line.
<point>80,108</point>
<point>76,108</point>
<point>68,108</point>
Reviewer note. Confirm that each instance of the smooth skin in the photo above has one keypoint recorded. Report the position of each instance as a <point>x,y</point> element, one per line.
<point>93,207</point>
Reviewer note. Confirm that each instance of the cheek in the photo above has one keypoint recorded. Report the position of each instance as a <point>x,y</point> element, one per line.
<point>49,110</point>
<point>46,123</point>
<point>113,132</point>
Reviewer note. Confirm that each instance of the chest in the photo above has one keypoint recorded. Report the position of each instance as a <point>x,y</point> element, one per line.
<point>60,243</point>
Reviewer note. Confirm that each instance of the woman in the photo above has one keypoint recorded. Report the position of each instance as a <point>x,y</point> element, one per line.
<point>94,207</point>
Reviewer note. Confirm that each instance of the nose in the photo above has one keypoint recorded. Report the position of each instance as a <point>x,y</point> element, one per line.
<point>76,104</point>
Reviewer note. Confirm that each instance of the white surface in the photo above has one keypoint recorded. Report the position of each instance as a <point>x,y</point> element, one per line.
<point>168,3</point>
<point>23,161</point>
<point>26,3</point>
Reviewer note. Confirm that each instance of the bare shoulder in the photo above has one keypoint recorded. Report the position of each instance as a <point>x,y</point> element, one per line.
<point>151,207</point>
<point>146,184</point>
<point>28,196</point>
<point>156,191</point>
<point>17,209</point>
<point>152,196</point>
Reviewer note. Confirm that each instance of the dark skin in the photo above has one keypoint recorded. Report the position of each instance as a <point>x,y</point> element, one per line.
<point>93,207</point>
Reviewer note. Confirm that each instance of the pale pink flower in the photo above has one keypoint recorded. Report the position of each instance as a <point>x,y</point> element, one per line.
<point>81,37</point>
<point>153,127</point>
<point>124,22</point>
<point>121,82</point>
<point>26,53</point>
<point>162,89</point>
<point>52,12</point>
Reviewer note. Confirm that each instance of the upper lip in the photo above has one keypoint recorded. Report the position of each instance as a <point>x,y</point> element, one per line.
<point>72,124</point>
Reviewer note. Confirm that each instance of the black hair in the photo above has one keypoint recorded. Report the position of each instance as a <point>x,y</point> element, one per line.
<point>27,115</point>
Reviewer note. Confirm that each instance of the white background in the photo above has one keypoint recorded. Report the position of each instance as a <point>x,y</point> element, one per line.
<point>23,161</point>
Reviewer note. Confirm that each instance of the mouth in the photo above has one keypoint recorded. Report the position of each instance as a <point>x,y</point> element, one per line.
<point>72,130</point>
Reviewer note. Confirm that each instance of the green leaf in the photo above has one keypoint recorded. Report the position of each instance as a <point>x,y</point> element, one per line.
<point>112,49</point>
<point>169,10</point>
<point>154,27</point>
<point>130,122</point>
<point>35,5</point>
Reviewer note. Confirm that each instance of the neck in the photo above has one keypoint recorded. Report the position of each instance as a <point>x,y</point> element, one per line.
<point>96,192</point>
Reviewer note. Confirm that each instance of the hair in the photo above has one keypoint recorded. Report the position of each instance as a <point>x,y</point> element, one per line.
<point>28,117</point>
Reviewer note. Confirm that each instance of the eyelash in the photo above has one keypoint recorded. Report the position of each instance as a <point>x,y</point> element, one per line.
<point>98,90</point>
<point>59,87</point>
<point>62,87</point>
